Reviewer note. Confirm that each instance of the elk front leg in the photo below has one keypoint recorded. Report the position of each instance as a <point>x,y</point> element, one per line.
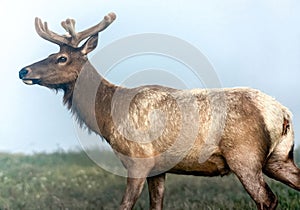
<point>133,190</point>
<point>156,187</point>
<point>138,170</point>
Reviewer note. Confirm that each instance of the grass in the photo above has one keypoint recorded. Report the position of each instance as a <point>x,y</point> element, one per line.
<point>72,181</point>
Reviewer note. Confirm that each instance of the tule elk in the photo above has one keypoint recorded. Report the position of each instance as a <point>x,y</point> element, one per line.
<point>156,130</point>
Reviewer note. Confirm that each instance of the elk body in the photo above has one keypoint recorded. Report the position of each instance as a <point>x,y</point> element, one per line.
<point>156,130</point>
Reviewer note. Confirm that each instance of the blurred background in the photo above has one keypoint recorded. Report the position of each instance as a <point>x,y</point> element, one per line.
<point>250,43</point>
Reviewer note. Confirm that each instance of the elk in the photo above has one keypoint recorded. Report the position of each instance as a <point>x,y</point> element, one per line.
<point>156,130</point>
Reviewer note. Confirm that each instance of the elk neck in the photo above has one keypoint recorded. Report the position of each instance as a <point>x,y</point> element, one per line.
<point>89,99</point>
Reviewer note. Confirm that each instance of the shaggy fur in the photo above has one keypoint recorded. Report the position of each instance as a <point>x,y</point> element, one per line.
<point>156,130</point>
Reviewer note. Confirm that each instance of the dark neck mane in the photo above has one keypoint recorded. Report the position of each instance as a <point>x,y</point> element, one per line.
<point>68,95</point>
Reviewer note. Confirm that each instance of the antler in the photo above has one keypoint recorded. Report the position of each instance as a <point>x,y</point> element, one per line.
<point>72,38</point>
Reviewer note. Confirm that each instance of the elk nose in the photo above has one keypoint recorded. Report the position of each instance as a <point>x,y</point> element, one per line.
<point>23,73</point>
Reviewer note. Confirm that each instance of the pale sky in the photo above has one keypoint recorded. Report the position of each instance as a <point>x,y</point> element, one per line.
<point>250,43</point>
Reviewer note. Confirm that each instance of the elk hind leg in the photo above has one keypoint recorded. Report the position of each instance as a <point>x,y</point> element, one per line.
<point>248,168</point>
<point>259,191</point>
<point>281,167</point>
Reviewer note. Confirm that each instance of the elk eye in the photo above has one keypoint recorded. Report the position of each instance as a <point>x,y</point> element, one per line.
<point>62,59</point>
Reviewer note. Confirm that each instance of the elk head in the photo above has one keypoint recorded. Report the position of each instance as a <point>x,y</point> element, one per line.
<point>62,68</point>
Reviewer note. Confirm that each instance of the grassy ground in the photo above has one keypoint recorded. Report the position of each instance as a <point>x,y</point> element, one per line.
<point>71,181</point>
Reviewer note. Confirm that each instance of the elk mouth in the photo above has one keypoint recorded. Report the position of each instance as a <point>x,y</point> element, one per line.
<point>31,81</point>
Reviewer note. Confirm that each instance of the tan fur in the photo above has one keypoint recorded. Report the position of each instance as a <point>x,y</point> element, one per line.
<point>156,130</point>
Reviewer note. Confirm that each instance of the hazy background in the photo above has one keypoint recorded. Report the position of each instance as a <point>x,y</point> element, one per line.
<point>250,43</point>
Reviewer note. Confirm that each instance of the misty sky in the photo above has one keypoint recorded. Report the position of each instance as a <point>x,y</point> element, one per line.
<point>250,43</point>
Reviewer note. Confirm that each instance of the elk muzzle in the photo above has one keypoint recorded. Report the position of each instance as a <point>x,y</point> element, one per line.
<point>22,75</point>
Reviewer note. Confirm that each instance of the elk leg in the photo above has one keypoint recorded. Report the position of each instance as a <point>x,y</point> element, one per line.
<point>285,172</point>
<point>133,190</point>
<point>248,168</point>
<point>156,187</point>
<point>138,170</point>
<point>282,168</point>
<point>258,189</point>
<point>280,165</point>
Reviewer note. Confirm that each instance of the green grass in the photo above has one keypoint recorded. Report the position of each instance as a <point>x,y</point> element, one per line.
<point>72,181</point>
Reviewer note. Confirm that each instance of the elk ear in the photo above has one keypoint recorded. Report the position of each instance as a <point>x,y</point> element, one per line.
<point>90,44</point>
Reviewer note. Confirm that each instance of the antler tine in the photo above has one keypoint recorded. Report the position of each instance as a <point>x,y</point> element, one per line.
<point>69,26</point>
<point>107,20</point>
<point>43,31</point>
